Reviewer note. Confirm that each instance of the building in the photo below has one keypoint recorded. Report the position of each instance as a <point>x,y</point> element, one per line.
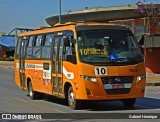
<point>7,46</point>
<point>122,15</point>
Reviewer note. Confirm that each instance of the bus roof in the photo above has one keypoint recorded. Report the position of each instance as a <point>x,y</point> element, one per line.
<point>69,25</point>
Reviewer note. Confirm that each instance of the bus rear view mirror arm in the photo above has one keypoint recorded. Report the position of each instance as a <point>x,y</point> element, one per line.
<point>141,41</point>
<point>73,41</point>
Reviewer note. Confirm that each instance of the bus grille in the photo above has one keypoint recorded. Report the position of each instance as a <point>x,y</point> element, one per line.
<point>117,80</point>
<point>117,91</point>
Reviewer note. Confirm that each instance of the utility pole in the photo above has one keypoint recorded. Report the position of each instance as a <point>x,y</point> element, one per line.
<point>16,35</point>
<point>59,11</point>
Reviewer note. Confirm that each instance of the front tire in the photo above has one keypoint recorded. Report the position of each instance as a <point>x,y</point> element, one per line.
<point>73,103</point>
<point>129,102</point>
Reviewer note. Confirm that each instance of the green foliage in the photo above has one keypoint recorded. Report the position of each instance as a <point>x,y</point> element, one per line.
<point>149,10</point>
<point>10,58</point>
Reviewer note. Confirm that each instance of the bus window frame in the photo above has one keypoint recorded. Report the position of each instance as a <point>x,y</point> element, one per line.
<point>34,41</point>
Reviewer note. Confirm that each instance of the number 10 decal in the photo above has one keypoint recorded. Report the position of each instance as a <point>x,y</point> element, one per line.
<point>101,71</point>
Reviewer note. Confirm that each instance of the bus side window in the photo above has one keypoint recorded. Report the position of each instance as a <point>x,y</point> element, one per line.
<point>47,43</point>
<point>37,47</point>
<point>38,40</point>
<point>69,51</point>
<point>30,47</point>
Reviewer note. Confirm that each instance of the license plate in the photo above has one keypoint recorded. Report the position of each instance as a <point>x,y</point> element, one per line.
<point>118,86</point>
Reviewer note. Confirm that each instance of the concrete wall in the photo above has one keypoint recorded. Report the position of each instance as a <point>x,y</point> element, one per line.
<point>153,60</point>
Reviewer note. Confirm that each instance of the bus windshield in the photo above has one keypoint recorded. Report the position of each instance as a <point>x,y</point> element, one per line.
<point>108,47</point>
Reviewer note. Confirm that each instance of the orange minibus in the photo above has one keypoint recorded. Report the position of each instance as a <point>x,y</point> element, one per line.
<point>81,61</point>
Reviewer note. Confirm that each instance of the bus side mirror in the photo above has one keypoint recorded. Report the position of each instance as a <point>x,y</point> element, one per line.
<point>73,41</point>
<point>141,41</point>
<point>66,41</point>
<point>142,50</point>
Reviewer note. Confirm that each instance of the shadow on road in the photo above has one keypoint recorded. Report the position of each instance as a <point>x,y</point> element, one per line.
<point>55,100</point>
<point>141,104</point>
<point>52,99</point>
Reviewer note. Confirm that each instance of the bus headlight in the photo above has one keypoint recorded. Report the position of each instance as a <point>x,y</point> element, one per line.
<point>141,77</point>
<point>89,78</point>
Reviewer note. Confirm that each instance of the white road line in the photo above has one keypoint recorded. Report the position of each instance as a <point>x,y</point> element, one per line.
<point>157,92</point>
<point>60,111</point>
<point>20,99</point>
<point>153,92</point>
<point>144,106</point>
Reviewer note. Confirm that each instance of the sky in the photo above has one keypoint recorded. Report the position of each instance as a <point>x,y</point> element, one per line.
<point>32,13</point>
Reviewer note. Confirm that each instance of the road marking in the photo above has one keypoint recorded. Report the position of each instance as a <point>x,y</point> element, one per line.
<point>60,111</point>
<point>158,93</point>
<point>153,92</point>
<point>65,112</point>
<point>20,99</point>
<point>144,106</point>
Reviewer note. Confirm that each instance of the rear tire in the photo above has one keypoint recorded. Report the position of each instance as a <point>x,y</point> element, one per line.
<point>33,95</point>
<point>129,102</point>
<point>73,103</point>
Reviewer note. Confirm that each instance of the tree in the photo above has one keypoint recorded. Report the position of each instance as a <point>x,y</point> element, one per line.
<point>151,11</point>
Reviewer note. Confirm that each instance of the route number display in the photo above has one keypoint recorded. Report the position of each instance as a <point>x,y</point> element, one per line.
<point>101,71</point>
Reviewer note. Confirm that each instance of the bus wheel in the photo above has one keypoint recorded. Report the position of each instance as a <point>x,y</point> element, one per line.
<point>32,94</point>
<point>73,103</point>
<point>129,102</point>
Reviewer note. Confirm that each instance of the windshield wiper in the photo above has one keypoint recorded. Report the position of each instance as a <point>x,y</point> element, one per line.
<point>101,56</point>
<point>132,60</point>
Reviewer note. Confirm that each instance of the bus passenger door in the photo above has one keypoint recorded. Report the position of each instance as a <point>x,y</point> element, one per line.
<point>57,66</point>
<point>22,63</point>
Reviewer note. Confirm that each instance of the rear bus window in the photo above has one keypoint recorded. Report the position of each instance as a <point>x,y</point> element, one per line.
<point>18,48</point>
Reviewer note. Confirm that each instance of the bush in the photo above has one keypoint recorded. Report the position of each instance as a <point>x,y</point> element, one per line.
<point>10,58</point>
<point>1,59</point>
<point>4,57</point>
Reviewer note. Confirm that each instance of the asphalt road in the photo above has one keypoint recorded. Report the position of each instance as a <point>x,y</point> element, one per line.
<point>14,100</point>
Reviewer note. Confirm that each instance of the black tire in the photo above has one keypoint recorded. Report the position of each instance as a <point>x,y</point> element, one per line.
<point>33,95</point>
<point>129,102</point>
<point>72,102</point>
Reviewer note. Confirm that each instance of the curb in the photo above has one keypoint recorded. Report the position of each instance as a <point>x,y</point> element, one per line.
<point>8,67</point>
<point>153,84</point>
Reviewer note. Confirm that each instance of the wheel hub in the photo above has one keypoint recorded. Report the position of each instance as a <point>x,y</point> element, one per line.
<point>71,98</point>
<point>30,91</point>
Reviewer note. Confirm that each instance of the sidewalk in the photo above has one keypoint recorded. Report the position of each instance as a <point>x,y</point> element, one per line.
<point>7,64</point>
<point>151,79</point>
